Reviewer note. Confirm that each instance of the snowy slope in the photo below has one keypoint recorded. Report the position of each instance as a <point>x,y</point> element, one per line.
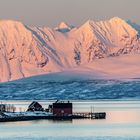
<point>22,52</point>
<point>28,51</point>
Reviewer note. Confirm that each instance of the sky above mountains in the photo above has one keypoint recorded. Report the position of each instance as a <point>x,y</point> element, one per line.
<point>51,12</point>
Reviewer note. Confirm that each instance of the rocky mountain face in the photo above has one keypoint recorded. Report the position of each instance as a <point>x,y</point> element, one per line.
<point>27,51</point>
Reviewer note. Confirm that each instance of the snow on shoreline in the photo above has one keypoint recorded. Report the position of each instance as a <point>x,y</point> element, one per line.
<point>35,113</point>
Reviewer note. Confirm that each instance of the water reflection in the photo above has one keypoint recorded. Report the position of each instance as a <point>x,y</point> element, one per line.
<point>122,122</point>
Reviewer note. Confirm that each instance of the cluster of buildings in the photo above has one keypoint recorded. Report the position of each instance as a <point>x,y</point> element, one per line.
<point>56,110</point>
<point>59,108</point>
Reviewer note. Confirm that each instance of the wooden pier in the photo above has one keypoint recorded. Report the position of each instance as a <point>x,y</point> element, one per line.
<point>97,115</point>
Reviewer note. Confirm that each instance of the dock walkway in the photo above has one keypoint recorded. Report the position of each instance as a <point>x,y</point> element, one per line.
<point>97,115</point>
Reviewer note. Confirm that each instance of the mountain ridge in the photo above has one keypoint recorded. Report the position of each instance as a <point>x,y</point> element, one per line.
<point>27,51</point>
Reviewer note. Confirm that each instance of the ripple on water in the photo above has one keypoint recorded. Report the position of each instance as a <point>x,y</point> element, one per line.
<point>77,90</point>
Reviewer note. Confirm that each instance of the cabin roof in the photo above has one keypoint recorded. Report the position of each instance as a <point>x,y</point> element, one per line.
<point>34,103</point>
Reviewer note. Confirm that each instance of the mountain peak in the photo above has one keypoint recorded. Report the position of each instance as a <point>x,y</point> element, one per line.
<point>9,25</point>
<point>87,25</point>
<point>116,19</point>
<point>90,22</point>
<point>123,26</point>
<point>63,25</point>
<point>10,22</point>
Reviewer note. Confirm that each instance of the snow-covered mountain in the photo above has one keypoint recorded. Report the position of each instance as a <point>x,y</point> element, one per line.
<point>26,51</point>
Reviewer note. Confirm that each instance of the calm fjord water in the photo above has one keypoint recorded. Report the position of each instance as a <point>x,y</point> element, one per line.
<point>119,99</point>
<point>122,123</point>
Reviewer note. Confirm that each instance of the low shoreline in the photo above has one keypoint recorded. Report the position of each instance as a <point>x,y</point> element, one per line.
<point>101,115</point>
<point>31,118</point>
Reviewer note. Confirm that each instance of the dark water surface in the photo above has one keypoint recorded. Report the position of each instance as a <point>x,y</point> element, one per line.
<point>71,90</point>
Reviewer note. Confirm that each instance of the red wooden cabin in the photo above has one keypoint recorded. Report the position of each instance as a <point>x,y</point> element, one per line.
<point>62,109</point>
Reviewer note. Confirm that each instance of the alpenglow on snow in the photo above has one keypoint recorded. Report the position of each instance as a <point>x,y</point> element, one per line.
<point>27,51</point>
